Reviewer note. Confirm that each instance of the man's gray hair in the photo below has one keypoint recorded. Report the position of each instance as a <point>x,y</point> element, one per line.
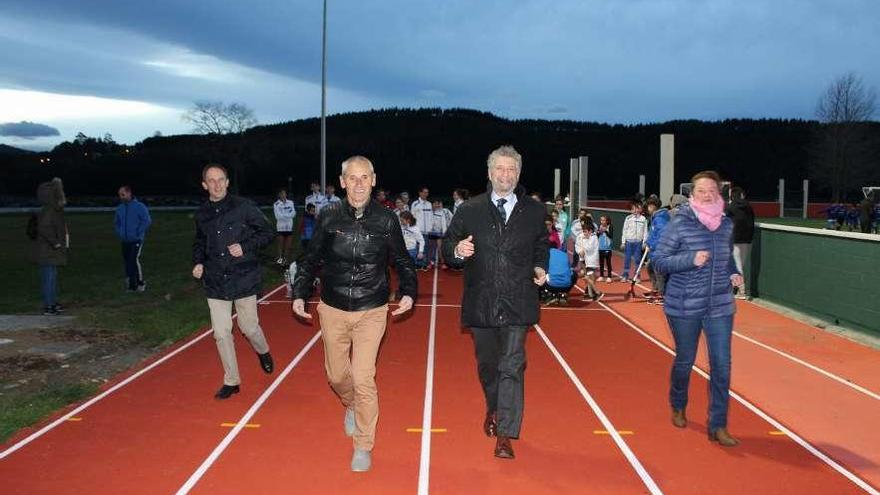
<point>504,151</point>
<point>355,159</point>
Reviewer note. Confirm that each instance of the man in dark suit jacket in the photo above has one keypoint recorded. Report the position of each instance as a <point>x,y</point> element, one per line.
<point>501,240</point>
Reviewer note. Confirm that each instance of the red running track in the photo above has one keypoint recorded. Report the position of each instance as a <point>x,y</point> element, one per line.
<point>592,369</point>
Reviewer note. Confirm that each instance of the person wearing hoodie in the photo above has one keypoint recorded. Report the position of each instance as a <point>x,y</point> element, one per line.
<point>696,251</point>
<point>740,211</point>
<point>51,241</point>
<point>131,222</point>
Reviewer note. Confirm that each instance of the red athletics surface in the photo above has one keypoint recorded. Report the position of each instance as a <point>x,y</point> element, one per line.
<point>154,433</point>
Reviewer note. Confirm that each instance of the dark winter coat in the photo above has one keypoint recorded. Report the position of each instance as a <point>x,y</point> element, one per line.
<point>352,255</point>
<point>499,290</point>
<point>232,220</point>
<point>740,211</point>
<point>50,246</point>
<point>696,292</point>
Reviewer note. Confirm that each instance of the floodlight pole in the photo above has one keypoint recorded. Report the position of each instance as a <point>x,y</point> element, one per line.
<point>324,102</point>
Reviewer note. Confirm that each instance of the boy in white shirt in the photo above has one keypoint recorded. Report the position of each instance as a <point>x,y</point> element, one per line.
<point>587,247</point>
<point>632,239</point>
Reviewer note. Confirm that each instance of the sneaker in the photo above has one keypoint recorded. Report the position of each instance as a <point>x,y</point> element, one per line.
<point>50,311</point>
<point>598,297</point>
<point>142,287</point>
<point>361,461</point>
<point>58,308</point>
<point>348,422</point>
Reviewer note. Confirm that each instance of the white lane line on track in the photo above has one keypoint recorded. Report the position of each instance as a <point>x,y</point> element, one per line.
<point>425,459</point>
<point>114,388</point>
<point>766,417</point>
<point>817,369</point>
<point>606,423</point>
<point>197,475</point>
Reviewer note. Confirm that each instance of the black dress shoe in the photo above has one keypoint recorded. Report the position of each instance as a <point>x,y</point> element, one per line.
<point>503,448</point>
<point>266,362</point>
<point>226,391</point>
<point>490,425</point>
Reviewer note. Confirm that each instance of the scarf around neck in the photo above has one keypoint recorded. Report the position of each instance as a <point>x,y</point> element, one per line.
<point>709,215</point>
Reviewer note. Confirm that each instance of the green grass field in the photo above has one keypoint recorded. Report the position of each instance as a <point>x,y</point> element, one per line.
<point>92,285</point>
<point>92,288</point>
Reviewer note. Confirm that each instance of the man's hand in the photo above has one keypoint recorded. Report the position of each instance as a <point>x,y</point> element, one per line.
<point>701,258</point>
<point>737,280</point>
<point>420,256</point>
<point>406,304</point>
<point>198,270</point>
<point>299,309</point>
<point>235,250</point>
<point>540,276</point>
<point>465,247</point>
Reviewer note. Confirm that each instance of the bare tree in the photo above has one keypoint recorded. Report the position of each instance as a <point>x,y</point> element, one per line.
<point>842,150</point>
<point>216,117</point>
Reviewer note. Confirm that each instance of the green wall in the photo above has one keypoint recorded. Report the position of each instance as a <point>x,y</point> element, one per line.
<point>833,278</point>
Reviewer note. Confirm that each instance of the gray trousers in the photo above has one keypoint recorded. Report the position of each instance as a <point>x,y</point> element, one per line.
<point>501,364</point>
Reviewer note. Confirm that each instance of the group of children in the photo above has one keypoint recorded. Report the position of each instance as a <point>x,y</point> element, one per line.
<point>579,250</point>
<point>839,216</point>
<point>583,249</point>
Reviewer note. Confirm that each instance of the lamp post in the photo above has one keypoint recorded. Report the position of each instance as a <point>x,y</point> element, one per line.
<point>324,101</point>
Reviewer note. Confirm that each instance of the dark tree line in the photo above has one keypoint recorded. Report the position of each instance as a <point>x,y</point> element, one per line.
<point>443,149</point>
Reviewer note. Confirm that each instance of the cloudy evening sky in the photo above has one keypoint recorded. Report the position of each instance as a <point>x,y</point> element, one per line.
<point>133,67</point>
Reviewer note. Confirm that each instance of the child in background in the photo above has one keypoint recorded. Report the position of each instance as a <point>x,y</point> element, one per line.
<point>413,239</point>
<point>605,233</point>
<point>635,231</point>
<point>307,228</point>
<point>440,219</point>
<point>587,248</point>
<point>552,234</point>
<point>560,279</point>
<point>852,217</point>
<point>659,218</point>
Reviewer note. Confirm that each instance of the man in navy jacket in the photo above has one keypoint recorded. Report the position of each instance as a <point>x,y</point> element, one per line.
<point>131,222</point>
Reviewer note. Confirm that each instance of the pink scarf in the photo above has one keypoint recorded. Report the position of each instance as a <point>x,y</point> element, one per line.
<point>709,215</point>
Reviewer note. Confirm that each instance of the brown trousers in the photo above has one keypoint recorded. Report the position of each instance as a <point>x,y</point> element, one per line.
<point>351,345</point>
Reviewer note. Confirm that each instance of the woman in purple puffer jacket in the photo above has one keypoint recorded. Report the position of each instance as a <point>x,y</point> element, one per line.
<point>696,250</point>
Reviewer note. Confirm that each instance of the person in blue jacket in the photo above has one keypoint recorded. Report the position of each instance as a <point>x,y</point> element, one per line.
<point>131,222</point>
<point>696,251</point>
<point>560,279</point>
<point>659,218</point>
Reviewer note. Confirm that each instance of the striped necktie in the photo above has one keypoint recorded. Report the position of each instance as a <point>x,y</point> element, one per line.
<point>500,205</point>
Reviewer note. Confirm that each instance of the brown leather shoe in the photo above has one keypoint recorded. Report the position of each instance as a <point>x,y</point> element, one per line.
<point>490,425</point>
<point>723,438</point>
<point>503,448</point>
<point>679,420</point>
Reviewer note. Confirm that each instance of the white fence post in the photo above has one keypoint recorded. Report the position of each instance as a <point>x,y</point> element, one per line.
<point>781,198</point>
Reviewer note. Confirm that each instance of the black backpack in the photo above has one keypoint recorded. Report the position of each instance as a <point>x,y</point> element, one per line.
<point>33,226</point>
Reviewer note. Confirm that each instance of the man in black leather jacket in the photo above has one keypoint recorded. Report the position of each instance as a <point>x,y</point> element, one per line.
<point>501,239</point>
<point>351,245</point>
<point>230,232</point>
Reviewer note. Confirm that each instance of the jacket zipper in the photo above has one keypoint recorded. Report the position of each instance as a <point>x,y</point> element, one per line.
<point>357,236</point>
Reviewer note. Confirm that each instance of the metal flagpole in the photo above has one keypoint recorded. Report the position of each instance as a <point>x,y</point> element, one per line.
<point>324,102</point>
